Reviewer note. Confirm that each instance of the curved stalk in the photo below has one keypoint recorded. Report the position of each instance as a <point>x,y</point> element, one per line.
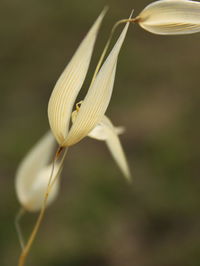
<point>18,217</point>
<point>31,239</point>
<point>108,44</point>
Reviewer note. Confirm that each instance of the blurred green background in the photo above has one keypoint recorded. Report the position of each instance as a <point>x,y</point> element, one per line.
<point>98,219</point>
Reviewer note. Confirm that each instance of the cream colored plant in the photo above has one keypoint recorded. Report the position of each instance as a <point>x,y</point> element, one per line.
<point>171,17</point>
<point>69,84</point>
<point>37,172</point>
<point>32,178</point>
<point>33,175</point>
<point>37,182</point>
<point>91,112</point>
<point>105,131</point>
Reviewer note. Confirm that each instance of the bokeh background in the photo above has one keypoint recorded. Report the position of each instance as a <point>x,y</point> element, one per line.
<point>99,219</point>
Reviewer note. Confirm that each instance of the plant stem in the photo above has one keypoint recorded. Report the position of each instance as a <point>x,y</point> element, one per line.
<point>133,20</point>
<point>27,247</point>
<point>17,226</point>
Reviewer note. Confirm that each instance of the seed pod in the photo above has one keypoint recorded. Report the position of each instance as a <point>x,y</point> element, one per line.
<point>33,175</point>
<point>98,96</point>
<point>69,84</point>
<point>171,17</point>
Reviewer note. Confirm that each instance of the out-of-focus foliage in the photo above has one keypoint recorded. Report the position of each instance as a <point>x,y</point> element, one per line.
<point>98,219</point>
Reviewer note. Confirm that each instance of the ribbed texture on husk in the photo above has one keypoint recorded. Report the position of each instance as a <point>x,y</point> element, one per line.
<point>171,17</point>
<point>98,96</point>
<point>69,84</point>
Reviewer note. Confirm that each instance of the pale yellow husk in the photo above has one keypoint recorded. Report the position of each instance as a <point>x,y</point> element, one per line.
<point>171,17</point>
<point>33,175</point>
<point>69,84</point>
<point>98,96</point>
<point>105,131</point>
